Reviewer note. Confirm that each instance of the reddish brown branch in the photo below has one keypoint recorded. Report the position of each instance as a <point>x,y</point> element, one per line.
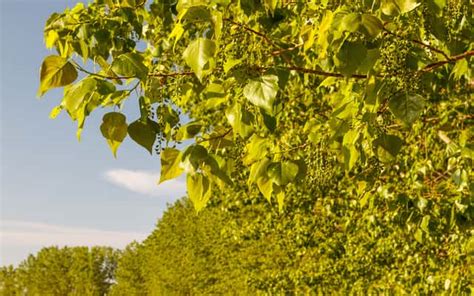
<point>265,37</point>
<point>449,60</point>
<point>215,137</point>
<point>422,44</point>
<point>172,74</point>
<point>323,73</point>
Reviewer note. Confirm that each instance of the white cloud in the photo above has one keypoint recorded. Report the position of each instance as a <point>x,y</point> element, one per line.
<point>20,238</point>
<point>145,182</point>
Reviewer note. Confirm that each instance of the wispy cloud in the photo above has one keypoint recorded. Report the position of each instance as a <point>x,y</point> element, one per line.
<point>145,182</point>
<point>20,238</point>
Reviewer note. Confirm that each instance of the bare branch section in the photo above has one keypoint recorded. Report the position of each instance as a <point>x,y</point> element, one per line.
<point>449,60</point>
<point>427,68</point>
<point>418,42</point>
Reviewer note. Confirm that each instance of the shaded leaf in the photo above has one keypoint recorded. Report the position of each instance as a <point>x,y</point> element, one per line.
<point>144,133</point>
<point>386,147</point>
<point>407,107</point>
<point>114,130</point>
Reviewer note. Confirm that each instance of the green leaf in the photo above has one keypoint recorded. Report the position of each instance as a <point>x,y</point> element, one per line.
<point>265,185</point>
<point>130,65</point>
<point>215,95</point>
<point>114,130</point>
<point>269,121</point>
<point>198,55</point>
<point>256,149</point>
<point>370,25</point>
<point>407,107</point>
<point>50,38</point>
<point>395,7</point>
<point>177,33</point>
<point>75,95</point>
<point>212,162</point>
<point>188,131</point>
<point>350,57</point>
<point>194,156</point>
<point>364,23</point>
<point>170,164</point>
<point>425,224</point>
<point>55,71</point>
<point>241,120</point>
<point>230,63</point>
<point>199,190</point>
<point>324,32</point>
<point>282,173</point>
<point>220,138</point>
<point>144,133</point>
<point>55,112</point>
<point>461,69</point>
<point>351,22</point>
<point>386,147</point>
<point>280,195</point>
<point>262,92</point>
<point>258,170</point>
<point>351,153</point>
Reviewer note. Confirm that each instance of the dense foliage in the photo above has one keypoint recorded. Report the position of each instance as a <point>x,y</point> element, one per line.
<point>62,271</point>
<point>335,247</point>
<point>332,141</point>
<point>260,87</point>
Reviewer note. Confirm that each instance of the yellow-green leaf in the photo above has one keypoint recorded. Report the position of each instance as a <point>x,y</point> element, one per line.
<point>265,185</point>
<point>395,7</point>
<point>199,190</point>
<point>198,55</point>
<point>55,71</point>
<point>130,65</point>
<point>282,173</point>
<point>170,164</point>
<point>262,92</point>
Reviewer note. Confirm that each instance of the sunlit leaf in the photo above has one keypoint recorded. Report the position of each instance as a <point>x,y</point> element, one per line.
<point>55,71</point>
<point>170,164</point>
<point>130,65</point>
<point>199,190</point>
<point>262,92</point>
<point>198,54</point>
<point>282,173</point>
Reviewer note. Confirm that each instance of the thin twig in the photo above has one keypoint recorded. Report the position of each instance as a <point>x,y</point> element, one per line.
<point>451,59</point>
<point>215,137</point>
<point>422,44</point>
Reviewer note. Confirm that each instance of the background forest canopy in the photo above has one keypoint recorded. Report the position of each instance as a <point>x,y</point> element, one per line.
<point>327,145</point>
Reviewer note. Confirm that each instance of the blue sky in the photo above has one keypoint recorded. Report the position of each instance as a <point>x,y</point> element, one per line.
<point>55,190</point>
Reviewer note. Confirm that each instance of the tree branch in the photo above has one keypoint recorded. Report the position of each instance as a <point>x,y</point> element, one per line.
<point>449,60</point>
<point>422,44</point>
<point>265,37</point>
<point>215,137</point>
<point>426,69</point>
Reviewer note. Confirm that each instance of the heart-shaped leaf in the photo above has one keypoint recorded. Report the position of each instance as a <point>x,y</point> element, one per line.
<point>262,92</point>
<point>55,71</point>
